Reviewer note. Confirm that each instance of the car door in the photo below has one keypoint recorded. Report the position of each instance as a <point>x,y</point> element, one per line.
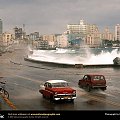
<point>84,81</point>
<point>45,91</point>
<point>48,90</point>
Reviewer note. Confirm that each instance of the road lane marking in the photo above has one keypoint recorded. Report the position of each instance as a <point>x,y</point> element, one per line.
<point>9,103</point>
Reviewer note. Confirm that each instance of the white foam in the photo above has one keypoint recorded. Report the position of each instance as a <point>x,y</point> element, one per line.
<point>70,57</point>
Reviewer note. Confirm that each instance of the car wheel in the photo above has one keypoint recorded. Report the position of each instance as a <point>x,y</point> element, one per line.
<point>51,99</point>
<point>72,100</point>
<point>103,89</point>
<point>80,86</point>
<point>44,96</point>
<point>88,88</point>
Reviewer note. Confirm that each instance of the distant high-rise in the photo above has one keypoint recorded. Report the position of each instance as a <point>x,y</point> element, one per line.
<point>18,33</point>
<point>117,32</point>
<point>87,32</point>
<point>82,28</point>
<point>1,27</point>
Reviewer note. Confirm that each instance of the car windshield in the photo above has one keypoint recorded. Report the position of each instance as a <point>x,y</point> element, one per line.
<point>98,77</point>
<point>60,84</point>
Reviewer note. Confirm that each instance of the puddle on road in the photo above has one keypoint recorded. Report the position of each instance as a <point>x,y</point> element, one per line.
<point>92,102</point>
<point>27,94</point>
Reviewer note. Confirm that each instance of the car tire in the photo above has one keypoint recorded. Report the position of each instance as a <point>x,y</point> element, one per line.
<point>72,100</point>
<point>88,88</point>
<point>80,86</point>
<point>44,96</point>
<point>103,89</point>
<point>51,99</point>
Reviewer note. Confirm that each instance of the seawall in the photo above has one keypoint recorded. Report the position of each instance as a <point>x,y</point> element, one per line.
<point>71,65</point>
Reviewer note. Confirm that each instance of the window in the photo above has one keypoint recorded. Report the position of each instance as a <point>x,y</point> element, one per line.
<point>49,85</point>
<point>98,77</point>
<point>45,84</point>
<point>85,77</point>
<point>61,84</point>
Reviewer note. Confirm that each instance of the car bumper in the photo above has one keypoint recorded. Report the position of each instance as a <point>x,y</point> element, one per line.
<point>64,97</point>
<point>99,87</point>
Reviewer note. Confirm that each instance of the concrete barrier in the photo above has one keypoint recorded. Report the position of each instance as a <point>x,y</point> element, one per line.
<point>79,66</point>
<point>64,65</point>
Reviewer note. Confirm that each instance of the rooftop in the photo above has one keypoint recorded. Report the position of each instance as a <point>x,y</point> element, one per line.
<point>56,81</point>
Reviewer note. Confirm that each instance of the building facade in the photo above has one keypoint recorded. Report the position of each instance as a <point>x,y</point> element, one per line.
<point>7,39</point>
<point>117,32</point>
<point>81,28</point>
<point>62,41</point>
<point>89,33</point>
<point>52,39</point>
<point>18,33</point>
<point>107,35</point>
<point>34,36</point>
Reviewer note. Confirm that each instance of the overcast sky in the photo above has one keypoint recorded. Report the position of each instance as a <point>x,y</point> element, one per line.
<point>52,16</point>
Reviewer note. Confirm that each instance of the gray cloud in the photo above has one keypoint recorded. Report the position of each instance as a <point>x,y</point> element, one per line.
<point>52,16</point>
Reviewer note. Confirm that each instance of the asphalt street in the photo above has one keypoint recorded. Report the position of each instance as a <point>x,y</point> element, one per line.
<point>23,79</point>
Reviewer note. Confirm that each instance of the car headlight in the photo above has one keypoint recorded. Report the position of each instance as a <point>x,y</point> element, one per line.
<point>74,92</point>
<point>55,93</point>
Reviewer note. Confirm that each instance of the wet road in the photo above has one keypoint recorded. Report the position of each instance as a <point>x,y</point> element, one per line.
<point>23,80</point>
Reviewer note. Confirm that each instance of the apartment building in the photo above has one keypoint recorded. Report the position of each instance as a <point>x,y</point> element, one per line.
<point>117,32</point>
<point>88,32</point>
<point>107,35</point>
<point>52,39</point>
<point>7,39</point>
<point>81,28</point>
<point>62,41</point>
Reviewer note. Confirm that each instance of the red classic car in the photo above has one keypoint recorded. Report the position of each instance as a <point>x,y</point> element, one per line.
<point>57,90</point>
<point>93,81</point>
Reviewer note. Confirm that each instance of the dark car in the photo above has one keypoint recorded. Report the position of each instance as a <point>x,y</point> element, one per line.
<point>93,81</point>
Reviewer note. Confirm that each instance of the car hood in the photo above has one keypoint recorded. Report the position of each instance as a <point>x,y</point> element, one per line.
<point>62,90</point>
